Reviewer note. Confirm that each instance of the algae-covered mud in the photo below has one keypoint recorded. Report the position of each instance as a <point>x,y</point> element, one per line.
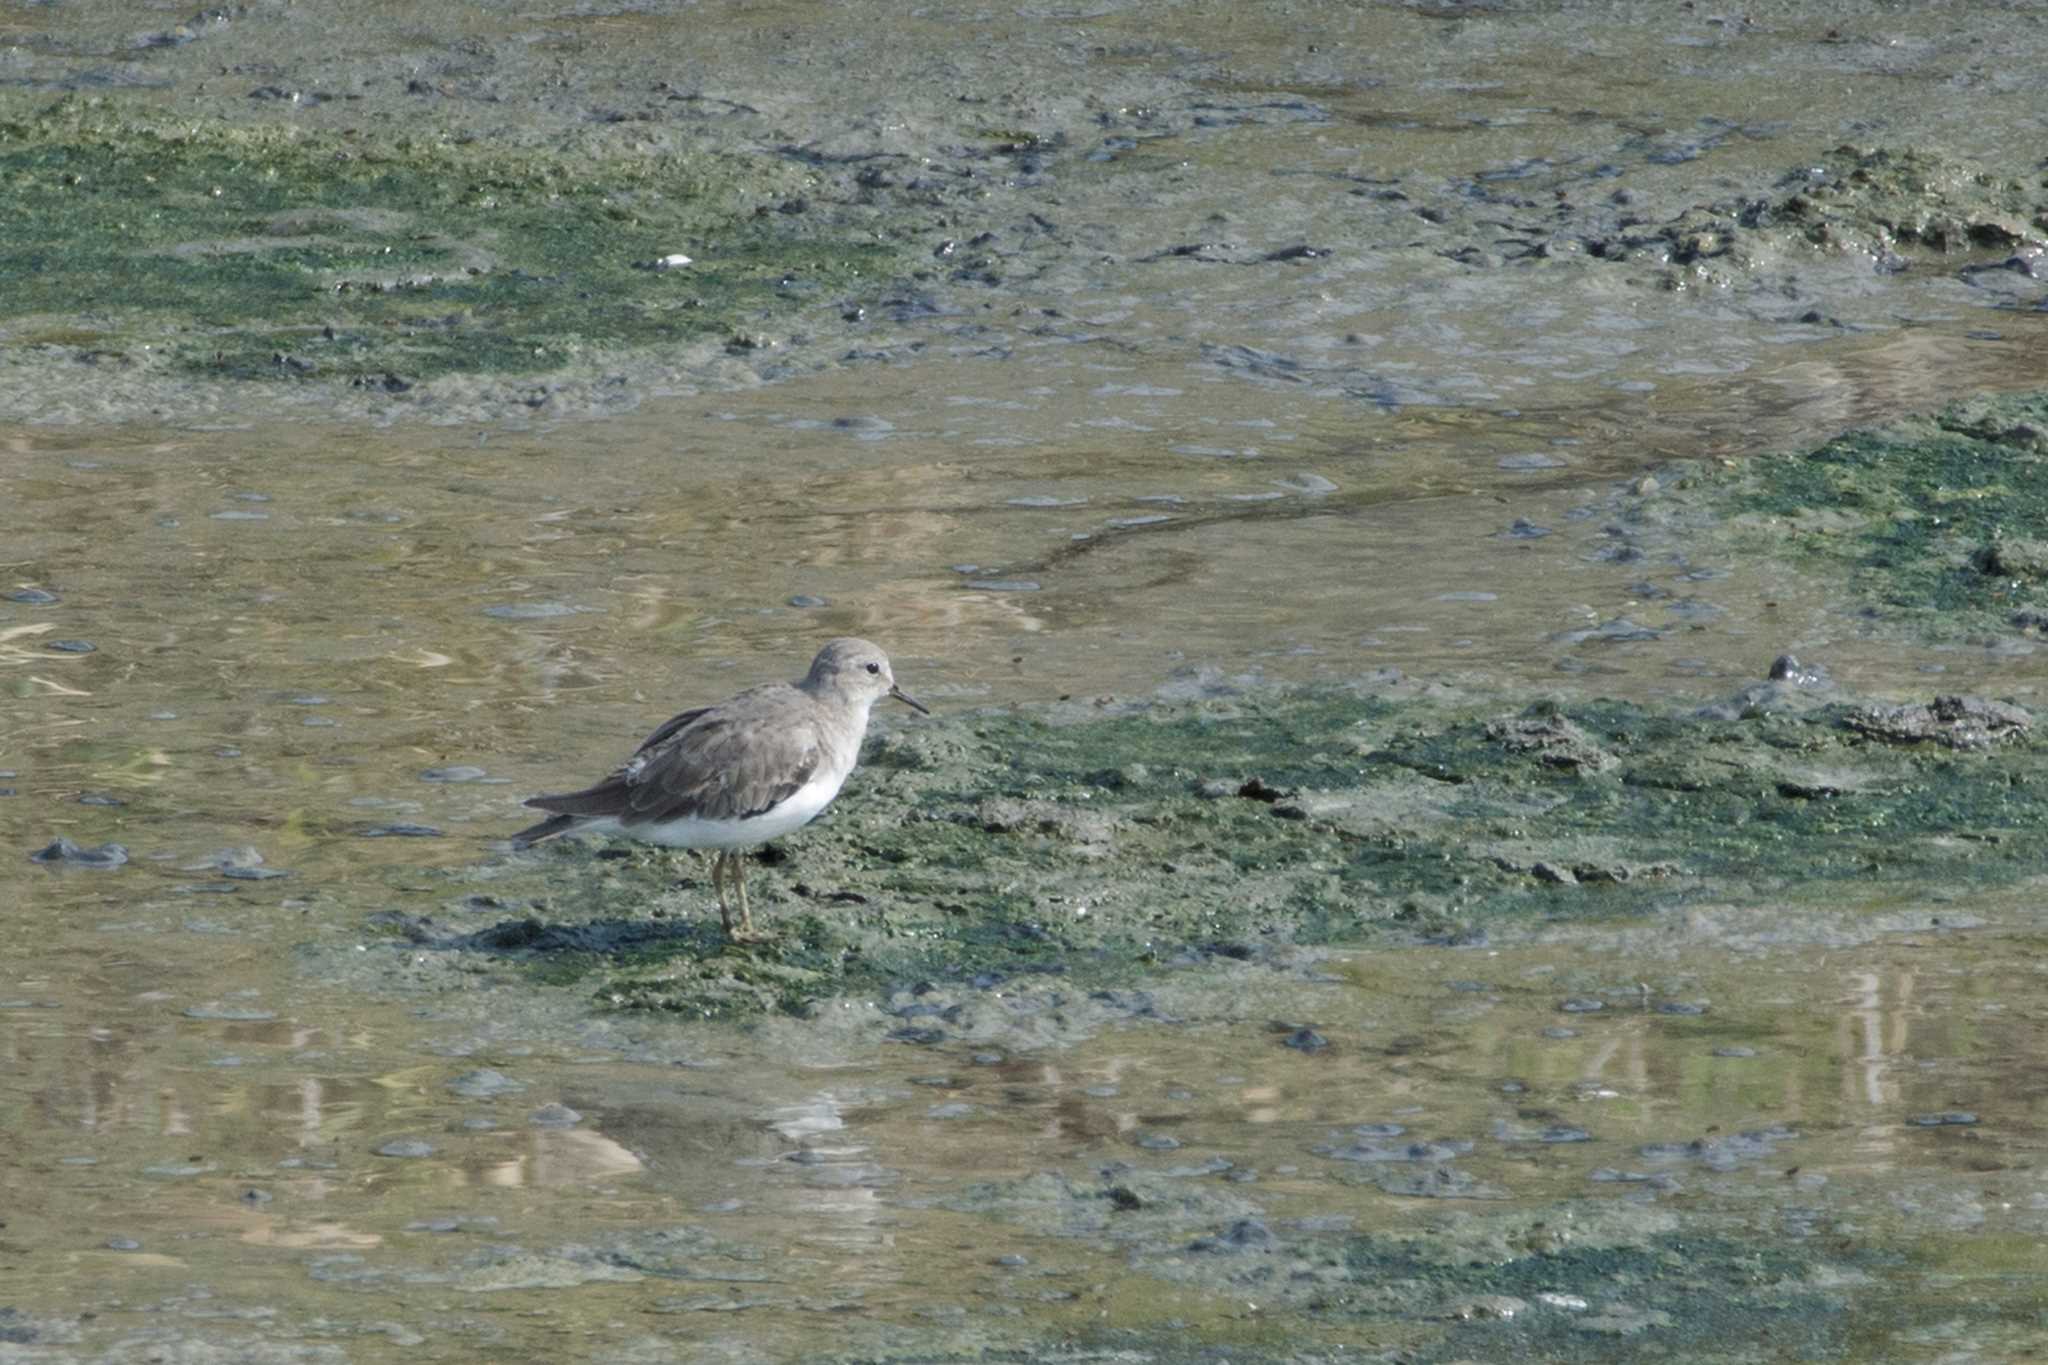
<point>539,213</point>
<point>1029,874</point>
<point>1479,569</point>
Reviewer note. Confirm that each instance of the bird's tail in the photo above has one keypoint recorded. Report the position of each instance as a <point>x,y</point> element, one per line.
<point>546,829</point>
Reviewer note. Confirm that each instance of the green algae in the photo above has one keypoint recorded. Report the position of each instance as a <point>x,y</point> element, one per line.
<point>1682,1290</point>
<point>1931,524</point>
<point>289,254</point>
<point>1052,855</point>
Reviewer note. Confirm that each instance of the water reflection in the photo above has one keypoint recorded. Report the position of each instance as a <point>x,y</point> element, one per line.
<point>1447,1082</point>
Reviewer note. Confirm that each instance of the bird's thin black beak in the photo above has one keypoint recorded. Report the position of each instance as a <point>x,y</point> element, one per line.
<point>912,702</point>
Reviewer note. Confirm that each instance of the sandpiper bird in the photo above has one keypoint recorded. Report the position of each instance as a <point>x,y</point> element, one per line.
<point>739,773</point>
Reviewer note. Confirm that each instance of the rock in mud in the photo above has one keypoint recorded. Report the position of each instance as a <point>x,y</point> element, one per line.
<point>1305,1040</point>
<point>485,1083</point>
<point>1552,738</point>
<point>1246,1234</point>
<point>554,1116</point>
<point>1436,1182</point>
<point>68,854</point>
<point>1954,722</point>
<point>406,1148</point>
<point>1005,815</point>
<point>1787,668</point>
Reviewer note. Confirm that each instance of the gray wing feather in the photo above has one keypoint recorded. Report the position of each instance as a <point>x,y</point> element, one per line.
<point>697,764</point>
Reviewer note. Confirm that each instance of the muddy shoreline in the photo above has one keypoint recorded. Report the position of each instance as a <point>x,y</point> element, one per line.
<point>449,226</point>
<point>1437,843</point>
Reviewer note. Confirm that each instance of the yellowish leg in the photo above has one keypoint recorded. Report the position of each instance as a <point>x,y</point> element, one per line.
<point>739,869</point>
<point>735,865</point>
<point>718,883</point>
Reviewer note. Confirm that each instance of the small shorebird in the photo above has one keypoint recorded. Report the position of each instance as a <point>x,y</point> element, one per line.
<point>737,774</point>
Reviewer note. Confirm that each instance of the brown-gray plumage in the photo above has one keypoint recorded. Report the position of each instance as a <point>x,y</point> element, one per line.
<point>739,773</point>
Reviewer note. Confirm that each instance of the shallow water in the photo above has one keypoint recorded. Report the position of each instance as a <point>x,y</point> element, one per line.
<point>349,631</point>
<point>207,1162</point>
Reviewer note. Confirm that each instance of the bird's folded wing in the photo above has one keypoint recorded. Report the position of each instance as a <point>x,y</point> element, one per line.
<point>721,769</point>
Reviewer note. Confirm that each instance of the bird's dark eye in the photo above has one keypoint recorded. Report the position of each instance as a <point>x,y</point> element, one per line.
<point>874,668</point>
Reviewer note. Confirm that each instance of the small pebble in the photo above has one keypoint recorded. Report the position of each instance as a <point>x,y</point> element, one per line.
<point>123,1244</point>
<point>1958,1118</point>
<point>461,772</point>
<point>554,1116</point>
<point>1735,1051</point>
<point>1305,1040</point>
<point>1158,1142</point>
<point>33,597</point>
<point>1582,1005</point>
<point>406,1147</point>
<point>400,830</point>
<point>485,1083</point>
<point>72,646</point>
<point>804,599</point>
<point>529,611</point>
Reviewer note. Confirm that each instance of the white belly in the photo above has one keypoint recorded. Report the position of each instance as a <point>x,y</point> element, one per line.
<point>799,810</point>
